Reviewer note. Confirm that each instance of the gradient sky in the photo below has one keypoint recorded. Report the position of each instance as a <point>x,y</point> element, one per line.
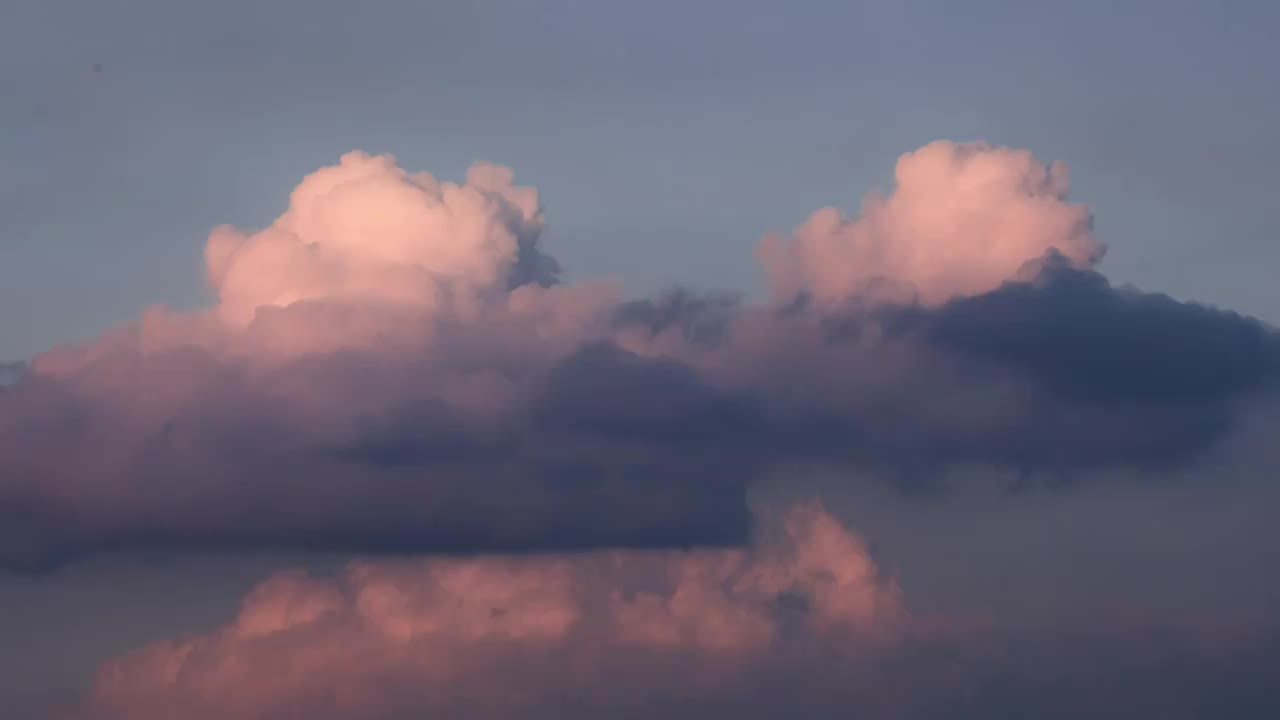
<point>666,138</point>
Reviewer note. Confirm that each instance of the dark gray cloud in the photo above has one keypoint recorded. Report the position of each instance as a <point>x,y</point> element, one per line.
<point>1111,376</point>
<point>700,318</point>
<point>596,445</point>
<point>1083,338</point>
<point>230,470</point>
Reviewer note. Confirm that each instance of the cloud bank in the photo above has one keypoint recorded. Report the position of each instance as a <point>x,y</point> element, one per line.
<point>800,621</point>
<point>393,366</point>
<point>502,634</point>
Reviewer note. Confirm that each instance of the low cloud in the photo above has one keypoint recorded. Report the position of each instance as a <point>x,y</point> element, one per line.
<point>802,620</point>
<point>510,636</point>
<point>393,367</point>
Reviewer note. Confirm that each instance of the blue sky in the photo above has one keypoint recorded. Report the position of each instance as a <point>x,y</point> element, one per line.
<point>666,138</point>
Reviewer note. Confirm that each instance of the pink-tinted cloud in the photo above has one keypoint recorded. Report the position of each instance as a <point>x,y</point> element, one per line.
<point>392,367</point>
<point>497,634</point>
<point>963,219</point>
<point>801,621</point>
<point>367,231</point>
<point>368,256</point>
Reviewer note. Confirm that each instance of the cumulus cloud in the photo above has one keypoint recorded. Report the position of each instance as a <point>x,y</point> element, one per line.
<point>802,621</point>
<point>368,231</point>
<point>392,367</point>
<point>962,219</point>
<point>510,636</point>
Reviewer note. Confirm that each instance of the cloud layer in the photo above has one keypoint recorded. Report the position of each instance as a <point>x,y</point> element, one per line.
<point>393,367</point>
<point>800,621</point>
<point>506,635</point>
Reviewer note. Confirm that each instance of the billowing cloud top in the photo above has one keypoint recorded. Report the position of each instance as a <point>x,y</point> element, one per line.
<point>962,220</point>
<point>391,367</point>
<point>366,231</point>
<point>431,634</point>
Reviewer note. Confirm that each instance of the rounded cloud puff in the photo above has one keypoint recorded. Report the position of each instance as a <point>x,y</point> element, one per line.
<point>366,230</point>
<point>962,219</point>
<point>477,632</point>
<point>372,257</point>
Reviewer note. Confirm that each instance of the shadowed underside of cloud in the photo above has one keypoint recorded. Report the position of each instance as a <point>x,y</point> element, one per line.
<point>242,464</point>
<point>1085,338</point>
<point>392,367</point>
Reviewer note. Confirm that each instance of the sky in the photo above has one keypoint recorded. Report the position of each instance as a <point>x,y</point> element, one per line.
<point>650,130</point>
<point>690,345</point>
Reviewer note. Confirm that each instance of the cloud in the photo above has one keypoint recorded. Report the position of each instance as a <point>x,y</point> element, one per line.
<point>800,621</point>
<point>393,367</point>
<point>337,453</point>
<point>506,636</point>
<point>1056,372</point>
<point>366,230</point>
<point>1085,338</point>
<point>962,219</point>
